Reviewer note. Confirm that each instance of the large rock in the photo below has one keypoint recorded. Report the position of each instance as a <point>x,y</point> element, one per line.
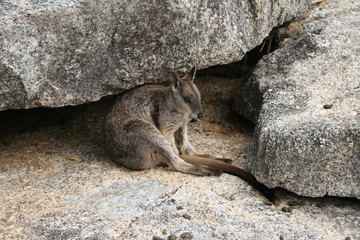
<point>57,53</point>
<point>57,182</point>
<point>305,99</point>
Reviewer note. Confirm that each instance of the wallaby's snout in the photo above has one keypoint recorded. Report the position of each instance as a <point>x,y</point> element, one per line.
<point>198,116</point>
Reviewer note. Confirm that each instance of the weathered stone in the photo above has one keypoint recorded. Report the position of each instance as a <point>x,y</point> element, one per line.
<point>57,53</point>
<point>45,195</point>
<point>305,99</point>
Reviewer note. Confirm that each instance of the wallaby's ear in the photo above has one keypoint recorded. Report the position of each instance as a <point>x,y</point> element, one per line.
<point>191,74</point>
<point>174,79</point>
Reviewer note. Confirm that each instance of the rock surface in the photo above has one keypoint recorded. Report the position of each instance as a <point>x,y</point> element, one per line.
<point>58,53</point>
<point>56,182</point>
<point>305,99</point>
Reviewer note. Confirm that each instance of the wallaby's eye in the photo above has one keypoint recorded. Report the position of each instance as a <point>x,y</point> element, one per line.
<point>187,100</point>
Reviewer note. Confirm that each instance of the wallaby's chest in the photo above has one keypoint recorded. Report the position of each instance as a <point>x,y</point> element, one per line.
<point>168,119</point>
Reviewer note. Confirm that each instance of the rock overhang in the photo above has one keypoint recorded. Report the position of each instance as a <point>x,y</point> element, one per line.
<point>58,53</point>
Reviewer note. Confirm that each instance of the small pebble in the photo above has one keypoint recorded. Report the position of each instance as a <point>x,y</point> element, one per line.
<point>311,55</point>
<point>179,208</point>
<point>328,106</point>
<point>75,158</point>
<point>286,209</point>
<point>186,216</point>
<point>282,237</point>
<point>354,113</point>
<point>172,237</point>
<point>157,238</point>
<point>186,235</point>
<point>164,232</point>
<point>172,200</point>
<point>348,238</point>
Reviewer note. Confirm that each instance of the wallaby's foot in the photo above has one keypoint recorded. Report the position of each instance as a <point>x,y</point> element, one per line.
<point>209,171</point>
<point>225,160</point>
<point>196,169</point>
<point>181,165</point>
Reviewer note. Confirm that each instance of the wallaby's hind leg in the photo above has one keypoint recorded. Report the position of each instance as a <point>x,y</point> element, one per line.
<point>142,151</point>
<point>180,165</point>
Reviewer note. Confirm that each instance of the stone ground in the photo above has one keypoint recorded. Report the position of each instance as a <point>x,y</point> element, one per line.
<point>57,182</point>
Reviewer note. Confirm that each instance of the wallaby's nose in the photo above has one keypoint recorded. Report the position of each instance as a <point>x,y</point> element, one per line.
<point>199,115</point>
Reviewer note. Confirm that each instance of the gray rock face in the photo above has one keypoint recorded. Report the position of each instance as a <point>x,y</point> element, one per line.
<point>305,99</point>
<point>57,53</point>
<point>58,182</point>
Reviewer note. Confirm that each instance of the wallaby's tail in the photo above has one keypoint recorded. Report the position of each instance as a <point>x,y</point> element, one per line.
<point>233,170</point>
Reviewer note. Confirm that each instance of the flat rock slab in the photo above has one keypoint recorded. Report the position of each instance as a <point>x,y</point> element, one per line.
<point>305,99</point>
<point>58,53</point>
<point>57,182</point>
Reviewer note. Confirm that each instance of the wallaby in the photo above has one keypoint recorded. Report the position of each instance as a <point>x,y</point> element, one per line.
<point>147,126</point>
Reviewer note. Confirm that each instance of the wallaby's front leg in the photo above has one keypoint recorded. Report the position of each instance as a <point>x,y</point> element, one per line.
<point>184,146</point>
<point>182,141</point>
<point>171,139</point>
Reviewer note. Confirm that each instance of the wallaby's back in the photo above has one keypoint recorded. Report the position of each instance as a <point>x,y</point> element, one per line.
<point>140,102</point>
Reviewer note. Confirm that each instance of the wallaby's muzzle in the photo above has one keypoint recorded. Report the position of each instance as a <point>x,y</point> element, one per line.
<point>198,116</point>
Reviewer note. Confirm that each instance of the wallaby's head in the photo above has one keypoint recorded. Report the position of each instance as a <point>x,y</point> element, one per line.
<point>186,94</point>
